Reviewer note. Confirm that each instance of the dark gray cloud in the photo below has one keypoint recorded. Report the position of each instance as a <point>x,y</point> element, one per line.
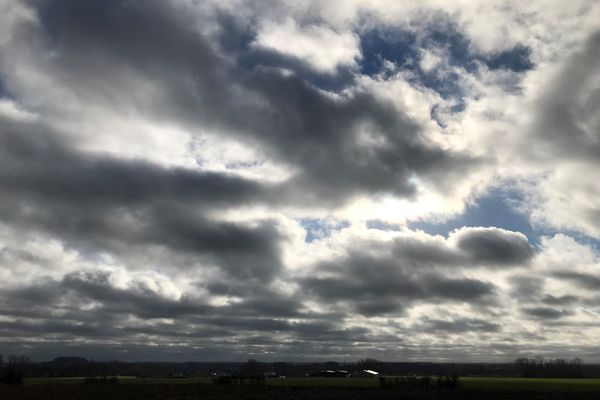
<point>560,300</point>
<point>36,161</point>
<point>538,301</point>
<point>110,55</point>
<point>292,120</point>
<point>565,120</point>
<point>107,204</point>
<point>588,281</point>
<point>95,287</point>
<point>104,204</point>
<point>527,287</point>
<point>458,325</point>
<point>373,285</point>
<point>546,312</point>
<point>139,300</point>
<point>89,305</point>
<point>565,142</point>
<point>464,289</point>
<point>103,251</point>
<point>119,44</point>
<point>322,136</point>
<point>495,246</point>
<point>421,254</point>
<point>468,246</point>
<point>410,270</point>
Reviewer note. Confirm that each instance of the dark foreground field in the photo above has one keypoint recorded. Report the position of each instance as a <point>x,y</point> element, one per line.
<point>471,388</point>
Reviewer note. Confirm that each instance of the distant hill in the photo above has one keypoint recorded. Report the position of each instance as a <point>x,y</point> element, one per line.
<point>70,360</point>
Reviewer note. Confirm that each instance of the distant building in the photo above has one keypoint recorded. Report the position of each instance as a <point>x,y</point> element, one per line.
<point>365,373</point>
<point>328,373</point>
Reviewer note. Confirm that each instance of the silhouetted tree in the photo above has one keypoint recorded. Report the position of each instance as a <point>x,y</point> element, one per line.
<point>252,368</point>
<point>14,371</point>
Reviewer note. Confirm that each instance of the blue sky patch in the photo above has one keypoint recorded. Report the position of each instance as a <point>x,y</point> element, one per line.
<point>492,210</point>
<point>321,228</point>
<point>517,59</point>
<point>377,46</point>
<point>495,210</point>
<point>380,46</point>
<point>382,226</point>
<point>405,50</point>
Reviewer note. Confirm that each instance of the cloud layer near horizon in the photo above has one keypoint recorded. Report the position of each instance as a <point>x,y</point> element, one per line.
<point>224,181</point>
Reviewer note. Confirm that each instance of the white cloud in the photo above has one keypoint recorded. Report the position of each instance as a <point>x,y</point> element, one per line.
<point>9,109</point>
<point>320,46</point>
<point>430,60</point>
<point>183,189</point>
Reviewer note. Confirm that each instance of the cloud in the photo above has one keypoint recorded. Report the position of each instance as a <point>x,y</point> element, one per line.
<point>546,312</point>
<point>587,281</point>
<point>458,325</point>
<point>320,46</point>
<point>563,142</point>
<point>493,245</point>
<point>229,180</point>
<point>104,204</point>
<point>338,146</point>
<point>410,268</point>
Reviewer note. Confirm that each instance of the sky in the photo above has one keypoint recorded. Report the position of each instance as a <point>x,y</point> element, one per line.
<point>300,181</point>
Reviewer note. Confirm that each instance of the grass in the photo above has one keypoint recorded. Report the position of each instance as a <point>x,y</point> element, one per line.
<point>486,383</point>
<point>471,388</point>
<point>121,379</point>
<point>543,384</point>
<point>320,382</point>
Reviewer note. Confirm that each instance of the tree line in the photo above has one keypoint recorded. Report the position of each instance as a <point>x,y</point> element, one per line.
<point>541,367</point>
<point>13,370</point>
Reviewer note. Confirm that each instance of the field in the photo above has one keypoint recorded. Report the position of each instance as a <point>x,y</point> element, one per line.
<point>536,384</point>
<point>301,388</point>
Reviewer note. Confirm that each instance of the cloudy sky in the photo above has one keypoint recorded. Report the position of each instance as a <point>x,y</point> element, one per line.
<point>210,180</point>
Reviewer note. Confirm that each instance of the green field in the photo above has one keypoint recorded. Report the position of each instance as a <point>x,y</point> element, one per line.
<point>469,388</point>
<point>121,380</point>
<point>485,383</point>
<point>538,384</point>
